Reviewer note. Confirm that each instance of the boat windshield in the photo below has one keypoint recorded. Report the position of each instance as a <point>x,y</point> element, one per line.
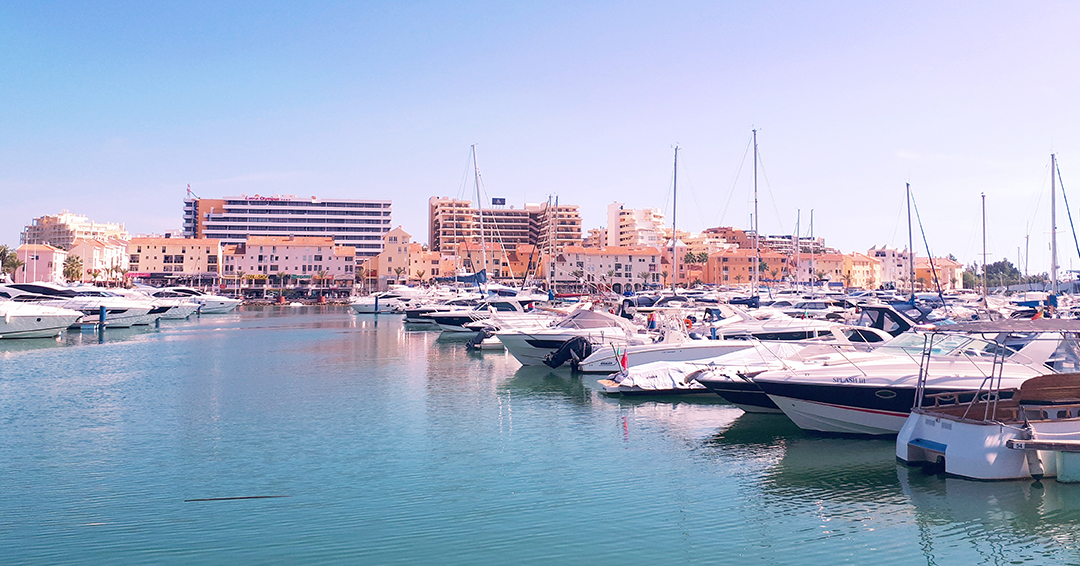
<point>913,344</point>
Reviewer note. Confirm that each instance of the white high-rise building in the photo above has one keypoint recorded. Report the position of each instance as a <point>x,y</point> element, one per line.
<point>357,223</point>
<point>634,227</point>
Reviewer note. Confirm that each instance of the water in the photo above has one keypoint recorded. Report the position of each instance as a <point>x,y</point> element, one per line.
<point>396,446</point>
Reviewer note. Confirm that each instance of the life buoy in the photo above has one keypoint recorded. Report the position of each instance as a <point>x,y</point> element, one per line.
<point>689,323</point>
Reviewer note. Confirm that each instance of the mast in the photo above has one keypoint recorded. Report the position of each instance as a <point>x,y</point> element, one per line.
<point>757,236</point>
<point>674,209</point>
<point>480,210</point>
<point>911,246</point>
<point>984,247</point>
<point>813,283</point>
<point>798,245</point>
<point>1053,226</point>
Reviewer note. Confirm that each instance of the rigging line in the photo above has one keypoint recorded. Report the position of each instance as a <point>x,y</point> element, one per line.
<point>690,185</point>
<point>929,256</point>
<point>1067,211</point>
<point>734,183</point>
<point>768,186</point>
<point>1038,200</point>
<point>465,177</point>
<point>896,225</point>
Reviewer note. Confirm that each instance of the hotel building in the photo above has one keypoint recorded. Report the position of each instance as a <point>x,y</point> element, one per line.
<point>357,223</point>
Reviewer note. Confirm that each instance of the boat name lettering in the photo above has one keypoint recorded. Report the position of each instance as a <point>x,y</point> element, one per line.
<point>849,380</point>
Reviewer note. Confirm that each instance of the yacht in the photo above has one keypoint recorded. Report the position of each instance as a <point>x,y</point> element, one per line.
<point>208,304</point>
<point>531,346</point>
<point>1002,429</point>
<point>30,320</point>
<point>120,312</point>
<point>509,309</point>
<point>873,392</point>
<point>172,305</point>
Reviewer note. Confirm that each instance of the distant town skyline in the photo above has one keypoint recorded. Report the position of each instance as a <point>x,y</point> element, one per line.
<point>114,110</point>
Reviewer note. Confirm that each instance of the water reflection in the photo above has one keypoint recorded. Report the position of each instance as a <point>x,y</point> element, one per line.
<point>1002,522</point>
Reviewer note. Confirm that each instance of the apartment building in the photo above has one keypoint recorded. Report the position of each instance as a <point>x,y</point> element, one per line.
<point>41,262</point>
<point>629,227</point>
<point>105,259</point>
<point>738,266</point>
<point>153,258</point>
<point>453,221</point>
<point>614,267</point>
<point>61,230</point>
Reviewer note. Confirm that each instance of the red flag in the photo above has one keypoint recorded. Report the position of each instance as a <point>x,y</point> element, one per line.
<point>624,362</point>
<point>1037,316</point>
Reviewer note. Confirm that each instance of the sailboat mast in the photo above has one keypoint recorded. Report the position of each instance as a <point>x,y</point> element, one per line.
<point>1053,225</point>
<point>911,245</point>
<point>757,237</point>
<point>480,211</point>
<point>984,247</point>
<point>674,210</point>
<point>798,244</point>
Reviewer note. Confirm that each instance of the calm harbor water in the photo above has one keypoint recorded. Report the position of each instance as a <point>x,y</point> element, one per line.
<point>396,446</point>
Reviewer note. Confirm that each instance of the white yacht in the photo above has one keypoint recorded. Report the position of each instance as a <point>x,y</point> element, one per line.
<point>31,320</point>
<point>873,392</point>
<point>532,345</point>
<point>998,430</point>
<point>208,304</point>
<point>511,310</point>
<point>120,312</point>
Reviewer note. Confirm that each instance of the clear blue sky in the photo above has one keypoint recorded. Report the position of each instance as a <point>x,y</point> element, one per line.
<point>112,109</point>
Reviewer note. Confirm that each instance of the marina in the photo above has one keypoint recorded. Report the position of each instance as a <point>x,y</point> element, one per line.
<point>385,442</point>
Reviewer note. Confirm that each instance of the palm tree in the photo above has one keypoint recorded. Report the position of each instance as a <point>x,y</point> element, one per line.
<point>4,253</point>
<point>577,274</point>
<point>11,265</point>
<point>420,275</point>
<point>398,271</point>
<point>73,268</point>
<point>664,275</point>
<point>321,275</point>
<point>738,279</point>
<point>644,276</point>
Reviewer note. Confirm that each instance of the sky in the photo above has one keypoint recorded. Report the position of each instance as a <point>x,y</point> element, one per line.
<point>111,109</point>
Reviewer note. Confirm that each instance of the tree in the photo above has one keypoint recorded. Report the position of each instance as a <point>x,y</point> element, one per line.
<point>420,274</point>
<point>644,276</point>
<point>690,258</point>
<point>73,268</point>
<point>398,271</point>
<point>321,275</point>
<point>664,275</point>
<point>12,264</point>
<point>738,278</point>
<point>703,258</point>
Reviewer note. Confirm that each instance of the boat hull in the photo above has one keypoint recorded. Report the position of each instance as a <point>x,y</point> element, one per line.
<point>605,361</point>
<point>745,395</point>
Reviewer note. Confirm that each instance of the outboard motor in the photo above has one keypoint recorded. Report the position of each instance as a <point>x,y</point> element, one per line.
<point>573,350</point>
<point>474,342</point>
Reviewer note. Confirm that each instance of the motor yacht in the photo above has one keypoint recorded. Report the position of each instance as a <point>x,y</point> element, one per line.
<point>120,312</point>
<point>30,320</point>
<point>531,346</point>
<point>873,392</point>
<point>208,303</point>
